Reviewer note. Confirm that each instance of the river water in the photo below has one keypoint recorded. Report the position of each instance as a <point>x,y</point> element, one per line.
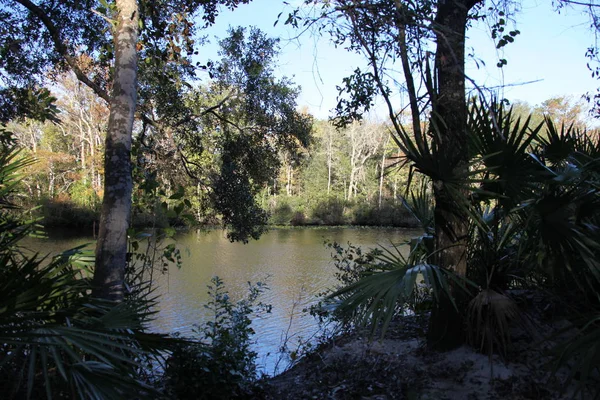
<point>295,264</point>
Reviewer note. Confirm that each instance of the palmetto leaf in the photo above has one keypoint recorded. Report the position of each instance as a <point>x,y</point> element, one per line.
<point>582,354</point>
<point>10,174</point>
<point>389,285</point>
<point>503,146</point>
<point>53,334</point>
<point>57,329</point>
<point>421,205</point>
<point>489,315</point>
<point>560,146</point>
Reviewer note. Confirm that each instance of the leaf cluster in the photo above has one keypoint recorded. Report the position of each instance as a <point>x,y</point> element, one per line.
<point>220,362</point>
<point>532,203</point>
<point>56,339</point>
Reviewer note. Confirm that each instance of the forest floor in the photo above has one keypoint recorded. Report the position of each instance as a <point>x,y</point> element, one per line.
<point>401,367</point>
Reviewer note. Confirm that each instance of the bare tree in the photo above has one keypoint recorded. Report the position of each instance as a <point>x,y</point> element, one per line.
<point>364,140</point>
<point>382,167</point>
<point>83,117</point>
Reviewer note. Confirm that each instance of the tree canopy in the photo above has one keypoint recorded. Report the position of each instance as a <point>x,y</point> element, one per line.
<point>101,45</point>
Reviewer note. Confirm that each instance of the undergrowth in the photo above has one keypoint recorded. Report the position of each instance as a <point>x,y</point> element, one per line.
<point>218,362</point>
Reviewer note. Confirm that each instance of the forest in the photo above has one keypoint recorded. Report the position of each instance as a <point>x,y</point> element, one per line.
<point>353,175</point>
<point>109,125</point>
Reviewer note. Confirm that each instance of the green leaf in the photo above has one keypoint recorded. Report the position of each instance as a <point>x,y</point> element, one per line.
<point>178,195</point>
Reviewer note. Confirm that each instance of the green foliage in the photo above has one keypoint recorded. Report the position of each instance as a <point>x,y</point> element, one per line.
<point>351,262</point>
<point>329,211</point>
<point>297,211</point>
<point>362,89</point>
<point>56,339</point>
<point>84,195</point>
<point>420,204</point>
<point>28,102</point>
<point>532,201</point>
<point>55,213</point>
<point>43,37</point>
<point>219,363</point>
<point>264,117</point>
<point>234,199</point>
<point>226,134</point>
<point>581,353</point>
<point>389,283</point>
<point>387,214</point>
<point>281,215</point>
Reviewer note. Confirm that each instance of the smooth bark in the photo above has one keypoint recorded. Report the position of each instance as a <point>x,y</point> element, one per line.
<point>111,248</point>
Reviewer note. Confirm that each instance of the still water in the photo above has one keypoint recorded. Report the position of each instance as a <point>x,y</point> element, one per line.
<point>295,264</point>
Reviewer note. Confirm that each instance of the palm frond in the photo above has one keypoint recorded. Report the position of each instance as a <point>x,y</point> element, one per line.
<point>503,146</point>
<point>390,284</point>
<point>581,354</point>
<point>489,317</point>
<point>60,333</point>
<point>421,205</point>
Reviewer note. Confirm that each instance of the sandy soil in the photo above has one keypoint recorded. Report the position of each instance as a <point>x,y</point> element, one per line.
<point>401,367</point>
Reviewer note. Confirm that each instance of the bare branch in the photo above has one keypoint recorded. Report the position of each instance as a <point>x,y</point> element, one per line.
<point>580,3</point>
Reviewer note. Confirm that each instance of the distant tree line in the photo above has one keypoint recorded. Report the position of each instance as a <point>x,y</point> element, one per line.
<point>343,176</point>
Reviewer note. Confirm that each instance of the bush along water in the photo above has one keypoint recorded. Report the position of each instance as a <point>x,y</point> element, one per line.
<point>218,361</point>
<point>335,211</point>
<point>57,341</point>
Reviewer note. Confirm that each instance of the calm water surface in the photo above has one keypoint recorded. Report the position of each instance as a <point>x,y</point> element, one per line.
<point>294,263</point>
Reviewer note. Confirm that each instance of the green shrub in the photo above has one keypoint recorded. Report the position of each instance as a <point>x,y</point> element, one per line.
<point>84,195</point>
<point>298,219</point>
<point>67,214</point>
<point>56,339</point>
<point>388,214</point>
<point>281,215</point>
<point>219,363</point>
<point>329,212</point>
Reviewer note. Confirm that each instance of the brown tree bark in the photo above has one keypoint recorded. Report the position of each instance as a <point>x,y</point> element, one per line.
<point>449,120</point>
<point>111,248</point>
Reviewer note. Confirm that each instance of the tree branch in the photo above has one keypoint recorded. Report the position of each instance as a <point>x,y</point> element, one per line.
<point>373,60</point>
<point>580,3</point>
<point>62,49</point>
<point>410,84</point>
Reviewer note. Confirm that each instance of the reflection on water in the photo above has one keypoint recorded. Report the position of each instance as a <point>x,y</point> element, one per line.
<point>294,262</point>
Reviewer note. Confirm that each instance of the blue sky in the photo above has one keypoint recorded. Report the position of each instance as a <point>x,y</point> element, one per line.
<point>550,50</point>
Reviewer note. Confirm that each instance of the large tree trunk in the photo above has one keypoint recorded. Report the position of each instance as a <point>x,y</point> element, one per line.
<point>449,120</point>
<point>111,248</point>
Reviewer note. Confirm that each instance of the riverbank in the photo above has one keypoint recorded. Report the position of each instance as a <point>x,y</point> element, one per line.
<point>400,366</point>
<point>333,212</point>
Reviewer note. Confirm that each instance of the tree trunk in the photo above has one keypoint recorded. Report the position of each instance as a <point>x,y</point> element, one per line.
<point>289,175</point>
<point>111,248</point>
<point>352,172</point>
<point>82,153</point>
<point>449,119</point>
<point>51,180</point>
<point>329,161</point>
<point>382,170</point>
